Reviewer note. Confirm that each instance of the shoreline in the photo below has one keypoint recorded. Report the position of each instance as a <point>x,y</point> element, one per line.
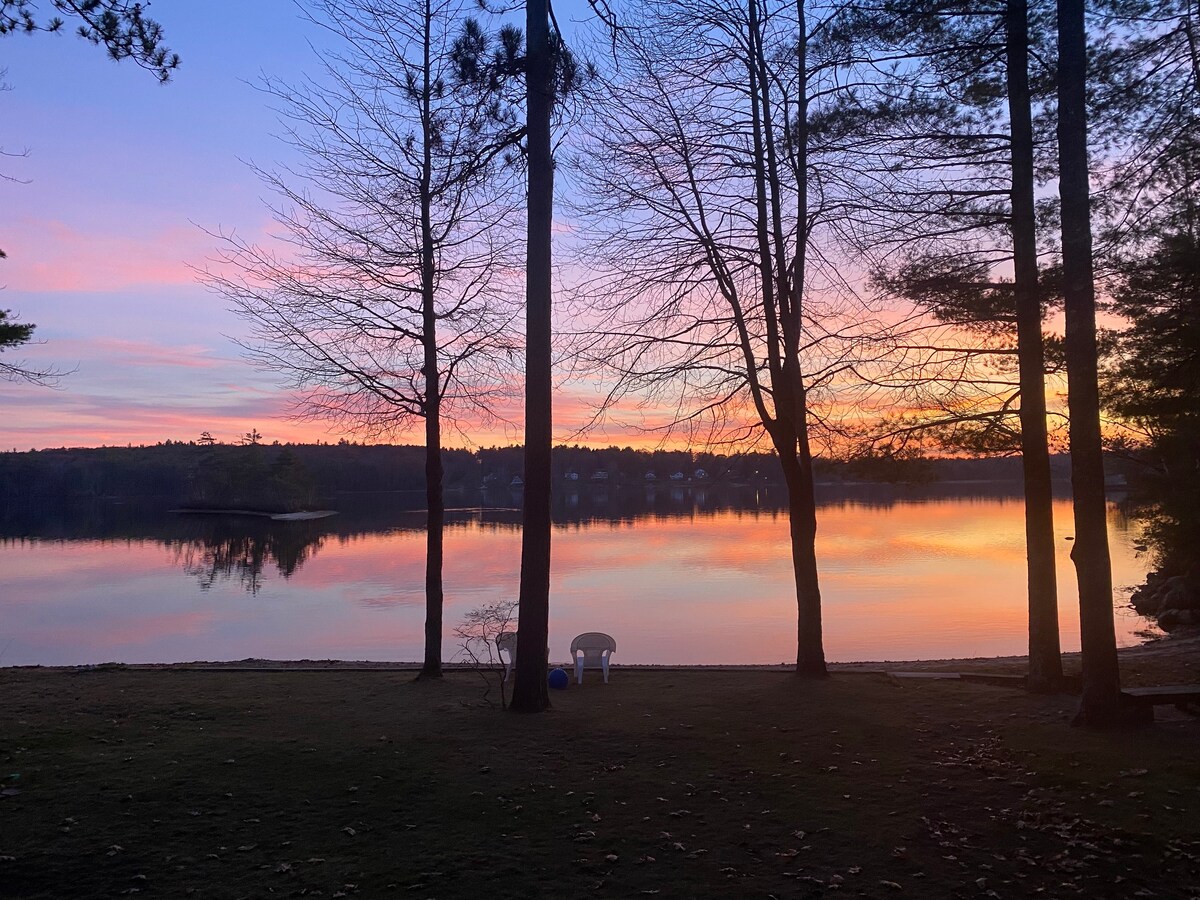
<point>1178,651</point>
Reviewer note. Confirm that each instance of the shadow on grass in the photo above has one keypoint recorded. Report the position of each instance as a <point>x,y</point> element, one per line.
<point>706,784</point>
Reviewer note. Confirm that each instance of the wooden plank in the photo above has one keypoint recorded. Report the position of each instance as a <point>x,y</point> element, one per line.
<point>1168,693</point>
<point>1172,690</point>
<point>994,678</point>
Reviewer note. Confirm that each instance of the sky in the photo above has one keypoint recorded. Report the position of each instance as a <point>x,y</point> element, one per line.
<point>106,210</point>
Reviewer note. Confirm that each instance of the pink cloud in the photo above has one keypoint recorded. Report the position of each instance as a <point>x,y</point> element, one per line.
<point>76,419</point>
<point>140,353</point>
<point>76,416</point>
<point>56,256</point>
<point>132,390</point>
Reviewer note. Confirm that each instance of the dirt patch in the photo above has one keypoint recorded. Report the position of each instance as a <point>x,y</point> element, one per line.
<point>683,783</point>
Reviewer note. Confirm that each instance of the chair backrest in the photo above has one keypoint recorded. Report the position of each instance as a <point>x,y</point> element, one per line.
<point>507,640</point>
<point>593,643</point>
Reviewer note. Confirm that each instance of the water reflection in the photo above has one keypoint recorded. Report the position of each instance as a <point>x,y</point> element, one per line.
<point>152,519</point>
<point>247,549</point>
<point>680,575</point>
<point>239,548</point>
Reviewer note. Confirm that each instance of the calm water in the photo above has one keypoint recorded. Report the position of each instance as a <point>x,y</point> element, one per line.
<point>677,576</point>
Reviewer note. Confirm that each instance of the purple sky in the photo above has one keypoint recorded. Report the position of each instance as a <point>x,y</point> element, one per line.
<point>104,215</point>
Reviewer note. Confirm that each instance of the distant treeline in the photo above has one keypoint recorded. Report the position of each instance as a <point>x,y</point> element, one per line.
<point>281,477</point>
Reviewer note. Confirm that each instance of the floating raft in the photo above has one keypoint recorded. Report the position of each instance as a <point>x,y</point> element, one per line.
<point>276,517</point>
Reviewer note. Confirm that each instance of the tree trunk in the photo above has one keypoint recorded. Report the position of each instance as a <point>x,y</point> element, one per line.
<point>796,460</point>
<point>1101,701</point>
<point>1045,656</point>
<point>434,498</point>
<point>530,692</point>
<point>802,500</point>
<point>782,281</point>
<point>435,527</point>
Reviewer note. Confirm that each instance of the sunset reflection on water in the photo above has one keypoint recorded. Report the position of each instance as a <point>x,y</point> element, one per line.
<point>914,579</point>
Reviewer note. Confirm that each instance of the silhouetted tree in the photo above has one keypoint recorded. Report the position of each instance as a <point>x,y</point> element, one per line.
<point>1045,657</point>
<point>120,26</point>
<point>396,308</point>
<point>1144,98</point>
<point>1150,379</point>
<point>14,334</point>
<point>1145,106</point>
<point>712,211</point>
<point>957,120</point>
<point>1100,703</point>
<point>530,692</point>
<point>549,72</point>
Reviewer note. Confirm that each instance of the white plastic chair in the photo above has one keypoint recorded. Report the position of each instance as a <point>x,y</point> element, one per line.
<point>596,648</point>
<point>506,642</point>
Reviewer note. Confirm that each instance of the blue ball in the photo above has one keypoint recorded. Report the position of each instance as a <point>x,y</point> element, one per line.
<point>559,679</point>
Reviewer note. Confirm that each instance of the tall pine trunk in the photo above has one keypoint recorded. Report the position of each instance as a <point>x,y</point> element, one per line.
<point>434,497</point>
<point>1045,656</point>
<point>1101,700</point>
<point>530,692</point>
<point>435,524</point>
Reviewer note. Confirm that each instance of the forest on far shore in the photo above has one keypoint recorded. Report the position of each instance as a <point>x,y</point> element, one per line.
<point>288,477</point>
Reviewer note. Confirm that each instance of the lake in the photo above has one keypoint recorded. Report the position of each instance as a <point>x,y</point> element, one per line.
<point>676,575</point>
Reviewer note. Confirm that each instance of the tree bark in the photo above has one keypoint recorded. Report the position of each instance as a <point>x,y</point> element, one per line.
<point>1045,656</point>
<point>530,693</point>
<point>434,496</point>
<point>802,499</point>
<point>1101,701</point>
<point>782,280</point>
<point>435,528</point>
<point>802,522</point>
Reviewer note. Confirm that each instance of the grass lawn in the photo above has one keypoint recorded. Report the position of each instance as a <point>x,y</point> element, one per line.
<point>689,783</point>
